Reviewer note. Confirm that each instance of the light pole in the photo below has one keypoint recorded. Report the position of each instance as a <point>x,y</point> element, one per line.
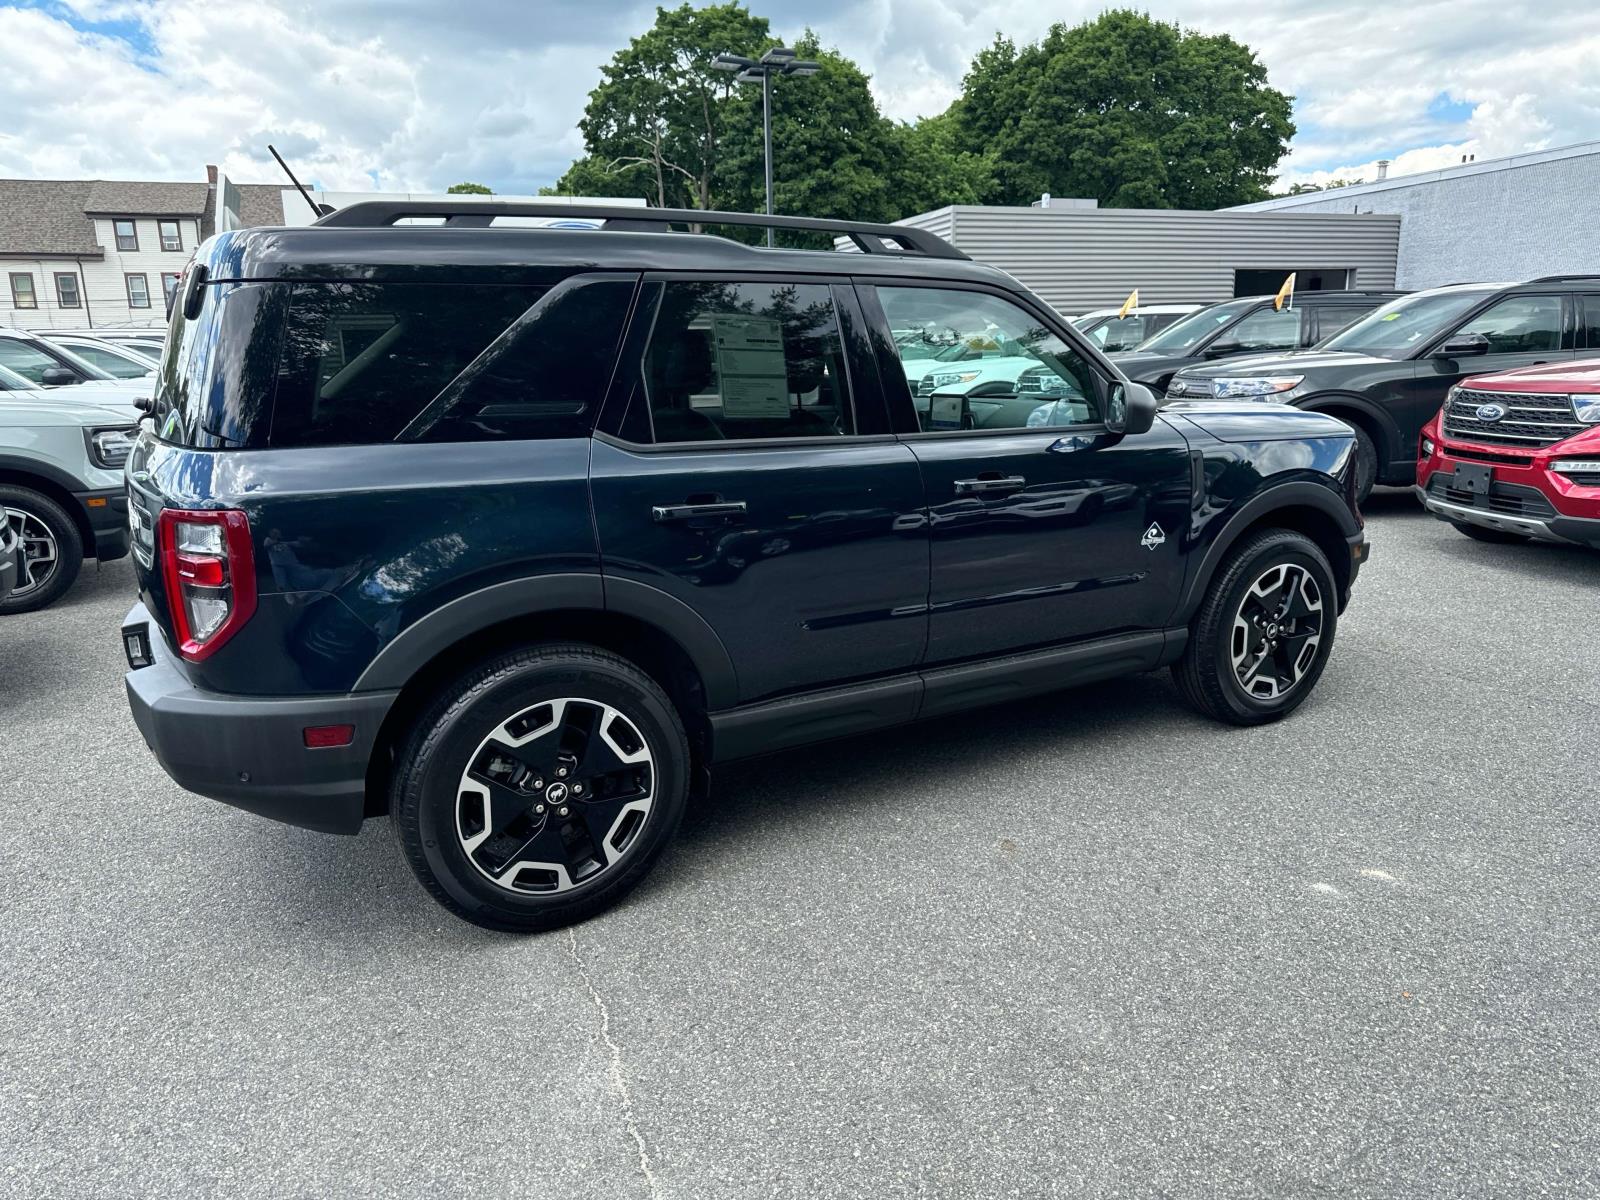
<point>777,61</point>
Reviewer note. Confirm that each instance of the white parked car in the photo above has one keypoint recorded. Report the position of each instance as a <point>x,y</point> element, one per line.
<point>124,361</point>
<point>62,450</point>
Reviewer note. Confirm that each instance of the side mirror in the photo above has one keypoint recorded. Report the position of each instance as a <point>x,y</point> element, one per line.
<point>1222,349</point>
<point>58,377</point>
<point>1463,345</point>
<point>1133,409</point>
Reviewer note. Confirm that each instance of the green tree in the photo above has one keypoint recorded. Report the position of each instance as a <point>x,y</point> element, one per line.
<point>935,168</point>
<point>1130,111</point>
<point>659,114</point>
<point>469,189</point>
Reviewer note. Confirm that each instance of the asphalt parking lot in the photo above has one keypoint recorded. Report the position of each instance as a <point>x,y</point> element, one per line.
<point>1086,945</point>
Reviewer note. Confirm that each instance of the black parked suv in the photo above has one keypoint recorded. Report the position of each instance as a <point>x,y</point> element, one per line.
<point>512,533</point>
<point>1251,325</point>
<point>1388,373</point>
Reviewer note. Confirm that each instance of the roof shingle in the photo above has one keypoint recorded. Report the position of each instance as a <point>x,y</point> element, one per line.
<point>45,217</point>
<point>119,198</point>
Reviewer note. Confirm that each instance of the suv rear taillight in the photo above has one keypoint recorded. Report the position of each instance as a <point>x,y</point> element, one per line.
<point>210,575</point>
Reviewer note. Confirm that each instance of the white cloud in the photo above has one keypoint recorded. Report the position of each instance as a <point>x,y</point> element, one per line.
<point>423,93</point>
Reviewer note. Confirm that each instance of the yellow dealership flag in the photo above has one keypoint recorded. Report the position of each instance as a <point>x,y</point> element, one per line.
<point>1128,305</point>
<point>1285,294</point>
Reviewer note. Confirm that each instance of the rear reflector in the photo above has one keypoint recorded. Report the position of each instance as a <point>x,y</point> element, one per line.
<point>322,737</point>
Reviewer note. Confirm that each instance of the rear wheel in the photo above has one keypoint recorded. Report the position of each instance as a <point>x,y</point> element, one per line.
<point>1264,631</point>
<point>1481,533</point>
<point>541,787</point>
<point>51,549</point>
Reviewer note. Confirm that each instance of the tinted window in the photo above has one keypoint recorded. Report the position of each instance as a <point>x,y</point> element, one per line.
<point>1265,329</point>
<point>1123,333</point>
<point>1591,314</point>
<point>360,361</point>
<point>1001,368</point>
<point>108,361</point>
<point>1189,332</point>
<point>1518,324</point>
<point>1401,326</point>
<point>543,378</point>
<point>1332,318</point>
<point>746,360</point>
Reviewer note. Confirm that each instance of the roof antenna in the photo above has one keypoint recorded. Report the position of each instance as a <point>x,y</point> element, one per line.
<point>317,210</point>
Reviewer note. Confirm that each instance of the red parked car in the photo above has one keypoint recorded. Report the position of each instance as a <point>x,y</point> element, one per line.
<point>1516,455</point>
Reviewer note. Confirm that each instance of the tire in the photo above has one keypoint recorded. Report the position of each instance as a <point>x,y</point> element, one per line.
<point>1366,463</point>
<point>53,549</point>
<point>474,838</point>
<point>1482,533</point>
<point>1209,674</point>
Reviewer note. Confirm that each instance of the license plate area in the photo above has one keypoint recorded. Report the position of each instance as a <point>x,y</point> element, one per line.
<point>1474,478</point>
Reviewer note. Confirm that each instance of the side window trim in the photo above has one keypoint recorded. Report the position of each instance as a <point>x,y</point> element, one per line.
<point>628,388</point>
<point>1563,300</point>
<point>867,288</point>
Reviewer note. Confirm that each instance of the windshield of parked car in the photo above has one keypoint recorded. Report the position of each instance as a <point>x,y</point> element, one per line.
<point>1195,328</point>
<point>1400,326</point>
<point>10,381</point>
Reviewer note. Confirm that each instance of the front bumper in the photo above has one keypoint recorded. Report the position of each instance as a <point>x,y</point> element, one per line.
<point>249,751</point>
<point>1566,530</point>
<point>108,517</point>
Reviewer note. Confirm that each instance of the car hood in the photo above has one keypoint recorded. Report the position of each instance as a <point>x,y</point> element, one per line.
<point>1254,421</point>
<point>1291,362</point>
<point>45,406</point>
<point>1149,368</point>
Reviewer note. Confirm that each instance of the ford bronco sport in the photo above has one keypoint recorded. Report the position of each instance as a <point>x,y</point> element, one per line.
<point>511,534</point>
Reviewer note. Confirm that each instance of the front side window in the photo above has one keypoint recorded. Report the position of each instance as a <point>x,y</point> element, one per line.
<point>1518,324</point>
<point>127,233</point>
<point>1122,333</point>
<point>1263,330</point>
<point>998,366</point>
<point>25,360</point>
<point>360,362</point>
<point>22,293</point>
<point>109,361</point>
<point>171,235</point>
<point>138,291</point>
<point>67,290</point>
<point>736,361</point>
<point>1402,326</point>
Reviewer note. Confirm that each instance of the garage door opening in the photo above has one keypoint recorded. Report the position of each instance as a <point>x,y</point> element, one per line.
<point>1307,279</point>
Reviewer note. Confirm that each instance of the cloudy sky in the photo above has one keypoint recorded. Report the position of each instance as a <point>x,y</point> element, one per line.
<point>419,94</point>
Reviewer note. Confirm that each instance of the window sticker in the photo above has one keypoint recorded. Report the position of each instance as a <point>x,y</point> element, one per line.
<point>751,367</point>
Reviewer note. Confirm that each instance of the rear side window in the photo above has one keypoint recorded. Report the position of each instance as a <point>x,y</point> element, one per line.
<point>1591,321</point>
<point>361,361</point>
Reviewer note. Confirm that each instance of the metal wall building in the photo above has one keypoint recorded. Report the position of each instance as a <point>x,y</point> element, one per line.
<point>1081,258</point>
<point>1510,218</point>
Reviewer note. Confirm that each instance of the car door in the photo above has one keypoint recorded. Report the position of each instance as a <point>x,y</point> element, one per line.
<point>1045,527</point>
<point>746,470</point>
<point>1521,330</point>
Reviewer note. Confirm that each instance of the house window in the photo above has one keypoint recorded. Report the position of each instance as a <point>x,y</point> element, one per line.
<point>171,236</point>
<point>67,290</point>
<point>22,294</point>
<point>127,233</point>
<point>138,291</point>
<point>169,286</point>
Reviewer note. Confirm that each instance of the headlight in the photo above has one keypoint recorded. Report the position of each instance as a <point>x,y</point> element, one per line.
<point>947,378</point>
<point>1254,387</point>
<point>1586,408</point>
<point>109,448</point>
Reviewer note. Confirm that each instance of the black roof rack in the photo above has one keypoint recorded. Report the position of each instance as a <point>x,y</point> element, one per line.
<point>868,237</point>
<point>1563,279</point>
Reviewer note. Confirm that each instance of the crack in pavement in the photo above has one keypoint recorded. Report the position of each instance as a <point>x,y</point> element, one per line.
<point>619,1078</point>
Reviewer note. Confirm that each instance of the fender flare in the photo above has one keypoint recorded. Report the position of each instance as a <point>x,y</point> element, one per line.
<point>1389,441</point>
<point>423,640</point>
<point>1300,493</point>
<point>32,466</point>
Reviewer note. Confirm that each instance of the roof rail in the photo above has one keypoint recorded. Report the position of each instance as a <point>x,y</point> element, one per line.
<point>869,238</point>
<point>1562,279</point>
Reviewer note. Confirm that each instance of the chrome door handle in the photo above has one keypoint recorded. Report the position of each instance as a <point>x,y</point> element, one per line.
<point>689,512</point>
<point>993,483</point>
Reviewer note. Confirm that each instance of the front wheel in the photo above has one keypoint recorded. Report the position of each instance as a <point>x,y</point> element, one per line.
<point>1366,464</point>
<point>541,787</point>
<point>51,549</point>
<point>1264,631</point>
<point>1482,533</point>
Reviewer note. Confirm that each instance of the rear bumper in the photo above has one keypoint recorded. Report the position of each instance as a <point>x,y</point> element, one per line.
<point>108,518</point>
<point>1581,530</point>
<point>249,751</point>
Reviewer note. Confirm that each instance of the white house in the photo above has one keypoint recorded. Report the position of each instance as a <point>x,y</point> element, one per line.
<point>103,253</point>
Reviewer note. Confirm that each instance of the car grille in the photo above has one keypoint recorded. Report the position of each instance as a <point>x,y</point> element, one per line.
<point>1507,499</point>
<point>1534,419</point>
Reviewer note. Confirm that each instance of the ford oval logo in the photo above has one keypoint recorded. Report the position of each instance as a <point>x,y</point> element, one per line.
<point>1490,413</point>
